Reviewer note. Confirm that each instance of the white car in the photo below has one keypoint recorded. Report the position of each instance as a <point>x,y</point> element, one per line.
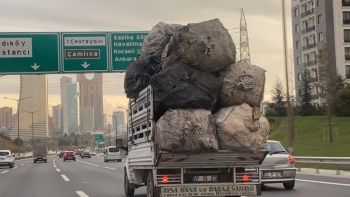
<point>93,153</point>
<point>112,154</point>
<point>6,158</point>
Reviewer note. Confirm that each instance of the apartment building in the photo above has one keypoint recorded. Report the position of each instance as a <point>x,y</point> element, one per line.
<point>315,22</point>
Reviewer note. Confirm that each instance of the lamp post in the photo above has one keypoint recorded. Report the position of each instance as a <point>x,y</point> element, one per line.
<point>32,112</point>
<point>116,128</point>
<point>17,100</point>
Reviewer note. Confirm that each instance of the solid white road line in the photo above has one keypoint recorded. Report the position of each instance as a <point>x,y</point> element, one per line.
<point>64,177</point>
<point>58,170</point>
<point>109,168</point>
<point>4,172</point>
<point>328,183</point>
<point>81,194</point>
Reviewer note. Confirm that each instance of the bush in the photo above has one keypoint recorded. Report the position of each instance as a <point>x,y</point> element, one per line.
<point>271,113</point>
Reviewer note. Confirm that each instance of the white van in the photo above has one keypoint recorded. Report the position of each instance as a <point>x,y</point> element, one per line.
<point>112,154</point>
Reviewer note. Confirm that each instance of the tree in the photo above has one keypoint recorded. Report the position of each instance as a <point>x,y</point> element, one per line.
<point>278,97</point>
<point>342,102</point>
<point>16,142</point>
<point>330,82</point>
<point>306,107</point>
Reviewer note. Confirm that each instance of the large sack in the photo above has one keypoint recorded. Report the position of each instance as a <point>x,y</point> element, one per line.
<point>241,128</point>
<point>138,75</point>
<point>156,40</point>
<point>242,83</point>
<point>187,131</point>
<point>206,46</point>
<point>180,86</point>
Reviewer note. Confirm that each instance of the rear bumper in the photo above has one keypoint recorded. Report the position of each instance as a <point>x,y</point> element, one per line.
<point>288,175</point>
<point>210,190</point>
<point>6,163</point>
<point>113,158</point>
<point>69,158</point>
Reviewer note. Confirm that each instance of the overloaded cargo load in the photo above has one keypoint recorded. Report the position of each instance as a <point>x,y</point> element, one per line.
<point>242,83</point>
<point>138,75</point>
<point>157,39</point>
<point>180,86</point>
<point>241,128</point>
<point>206,46</point>
<point>187,131</point>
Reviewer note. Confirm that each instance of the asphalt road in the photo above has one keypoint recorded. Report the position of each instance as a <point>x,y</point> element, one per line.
<point>94,178</point>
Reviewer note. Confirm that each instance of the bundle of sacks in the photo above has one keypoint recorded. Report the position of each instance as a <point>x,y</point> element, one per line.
<point>204,101</point>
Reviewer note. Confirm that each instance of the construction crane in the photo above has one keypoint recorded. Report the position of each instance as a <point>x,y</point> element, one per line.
<point>244,40</point>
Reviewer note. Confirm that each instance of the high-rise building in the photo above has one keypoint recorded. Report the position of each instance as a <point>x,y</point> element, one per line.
<point>56,117</point>
<point>87,119</point>
<point>65,82</point>
<point>91,95</point>
<point>5,117</point>
<point>316,22</point>
<point>73,108</point>
<point>35,87</point>
<point>119,120</point>
<point>105,121</point>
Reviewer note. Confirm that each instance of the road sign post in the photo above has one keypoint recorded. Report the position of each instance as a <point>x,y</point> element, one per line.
<point>84,52</point>
<point>29,53</point>
<point>125,48</point>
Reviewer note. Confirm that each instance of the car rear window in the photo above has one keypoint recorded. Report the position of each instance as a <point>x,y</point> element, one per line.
<point>275,147</point>
<point>114,150</point>
<point>69,153</point>
<point>4,153</point>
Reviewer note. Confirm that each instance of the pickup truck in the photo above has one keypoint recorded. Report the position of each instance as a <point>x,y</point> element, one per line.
<point>166,174</point>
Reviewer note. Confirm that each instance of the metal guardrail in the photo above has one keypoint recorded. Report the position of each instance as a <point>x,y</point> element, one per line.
<point>323,160</point>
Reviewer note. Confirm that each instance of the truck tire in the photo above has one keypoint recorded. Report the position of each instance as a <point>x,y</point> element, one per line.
<point>128,192</point>
<point>11,165</point>
<point>150,186</point>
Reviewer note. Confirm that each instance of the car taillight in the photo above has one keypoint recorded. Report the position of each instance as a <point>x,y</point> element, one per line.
<point>245,177</point>
<point>291,159</point>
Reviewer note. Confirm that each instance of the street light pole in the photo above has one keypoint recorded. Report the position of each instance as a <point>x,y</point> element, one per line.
<point>32,112</point>
<point>17,100</point>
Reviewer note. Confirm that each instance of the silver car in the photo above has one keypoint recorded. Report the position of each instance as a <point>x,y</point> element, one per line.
<point>6,158</point>
<point>278,166</point>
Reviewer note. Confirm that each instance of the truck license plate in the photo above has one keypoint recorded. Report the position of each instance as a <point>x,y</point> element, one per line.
<point>211,178</point>
<point>273,174</point>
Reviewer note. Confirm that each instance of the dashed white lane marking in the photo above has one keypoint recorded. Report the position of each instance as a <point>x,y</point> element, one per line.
<point>64,177</point>
<point>15,168</point>
<point>22,164</point>
<point>58,170</point>
<point>54,166</point>
<point>4,172</point>
<point>81,194</point>
<point>328,183</point>
<point>87,163</point>
<point>109,168</point>
<point>28,162</point>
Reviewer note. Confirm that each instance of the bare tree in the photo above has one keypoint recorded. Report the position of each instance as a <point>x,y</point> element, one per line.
<point>328,83</point>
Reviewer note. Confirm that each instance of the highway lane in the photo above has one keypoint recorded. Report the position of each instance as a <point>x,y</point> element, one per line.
<point>95,178</point>
<point>17,164</point>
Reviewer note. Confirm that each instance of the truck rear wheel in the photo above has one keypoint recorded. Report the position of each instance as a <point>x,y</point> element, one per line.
<point>127,190</point>
<point>150,186</point>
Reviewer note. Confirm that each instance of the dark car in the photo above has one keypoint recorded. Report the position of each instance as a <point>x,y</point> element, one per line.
<point>69,155</point>
<point>77,152</point>
<point>85,154</point>
<point>60,155</point>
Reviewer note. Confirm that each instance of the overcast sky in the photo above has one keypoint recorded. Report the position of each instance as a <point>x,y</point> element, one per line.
<point>264,20</point>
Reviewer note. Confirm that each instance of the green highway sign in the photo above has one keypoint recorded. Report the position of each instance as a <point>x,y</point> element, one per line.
<point>99,137</point>
<point>29,53</point>
<point>84,52</point>
<point>125,48</point>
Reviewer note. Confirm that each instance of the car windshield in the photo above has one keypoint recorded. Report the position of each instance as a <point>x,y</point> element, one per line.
<point>4,153</point>
<point>275,147</point>
<point>114,150</point>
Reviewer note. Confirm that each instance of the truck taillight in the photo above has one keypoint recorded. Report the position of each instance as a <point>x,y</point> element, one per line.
<point>245,177</point>
<point>291,159</point>
<point>165,179</point>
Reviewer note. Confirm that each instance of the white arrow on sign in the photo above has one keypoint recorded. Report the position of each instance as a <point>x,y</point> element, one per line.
<point>35,66</point>
<point>85,65</point>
